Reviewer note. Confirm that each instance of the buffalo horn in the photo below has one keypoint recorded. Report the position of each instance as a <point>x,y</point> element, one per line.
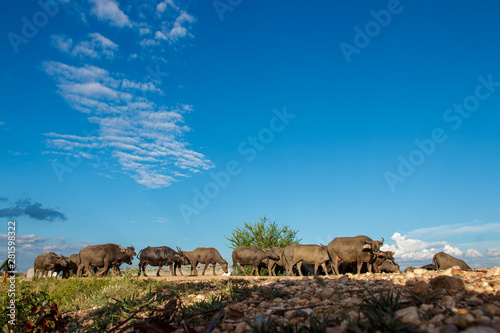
<point>382,239</point>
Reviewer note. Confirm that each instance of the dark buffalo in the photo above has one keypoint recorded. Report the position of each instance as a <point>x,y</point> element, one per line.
<point>311,254</point>
<point>74,262</point>
<point>359,249</point>
<point>444,261</point>
<point>252,255</point>
<point>106,256</point>
<point>389,267</point>
<point>160,256</point>
<point>203,255</point>
<point>429,267</point>
<point>382,257</point>
<point>288,257</point>
<point>51,262</point>
<point>272,264</point>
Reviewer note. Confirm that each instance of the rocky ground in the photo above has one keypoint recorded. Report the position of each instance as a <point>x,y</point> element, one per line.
<point>427,301</point>
<point>420,301</point>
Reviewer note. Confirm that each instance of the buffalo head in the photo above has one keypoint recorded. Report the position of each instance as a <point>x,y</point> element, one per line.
<point>373,246</point>
<point>224,266</point>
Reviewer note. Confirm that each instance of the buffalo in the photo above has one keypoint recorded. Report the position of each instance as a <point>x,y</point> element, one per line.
<point>444,261</point>
<point>51,262</point>
<point>389,267</point>
<point>311,254</point>
<point>160,256</point>
<point>272,264</point>
<point>203,255</point>
<point>382,257</point>
<point>359,249</point>
<point>106,256</point>
<point>252,255</point>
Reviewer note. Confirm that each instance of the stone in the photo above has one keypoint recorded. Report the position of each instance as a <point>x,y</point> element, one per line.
<point>479,329</point>
<point>420,289</point>
<point>30,274</point>
<point>410,283</point>
<point>448,302</point>
<point>449,328</point>
<point>419,271</point>
<point>447,282</point>
<point>493,271</point>
<point>241,327</point>
<point>408,315</point>
<point>327,293</point>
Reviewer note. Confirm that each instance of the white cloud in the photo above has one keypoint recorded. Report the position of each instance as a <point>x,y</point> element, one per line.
<point>472,253</point>
<point>447,230</point>
<point>162,6</point>
<point>417,250</point>
<point>493,252</point>
<point>108,10</point>
<point>95,46</point>
<point>23,239</point>
<point>62,43</point>
<point>454,251</point>
<point>144,139</point>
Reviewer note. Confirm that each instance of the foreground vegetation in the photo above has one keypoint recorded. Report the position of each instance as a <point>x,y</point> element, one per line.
<point>128,303</point>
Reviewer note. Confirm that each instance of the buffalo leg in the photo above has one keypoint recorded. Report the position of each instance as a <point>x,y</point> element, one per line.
<point>206,266</point>
<point>324,267</point>
<point>194,270</point>
<point>159,270</point>
<point>213,266</point>
<point>105,269</point>
<point>299,267</point>
<point>177,265</point>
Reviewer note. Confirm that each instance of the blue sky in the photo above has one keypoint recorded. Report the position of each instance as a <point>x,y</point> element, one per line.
<point>171,123</point>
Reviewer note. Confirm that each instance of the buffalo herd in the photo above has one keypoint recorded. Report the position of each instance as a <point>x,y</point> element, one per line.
<point>342,255</point>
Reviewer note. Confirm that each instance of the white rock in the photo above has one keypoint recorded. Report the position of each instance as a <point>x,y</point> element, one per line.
<point>408,315</point>
<point>419,271</point>
<point>493,271</point>
<point>31,274</point>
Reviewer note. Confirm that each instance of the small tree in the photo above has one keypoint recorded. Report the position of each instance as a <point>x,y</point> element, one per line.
<point>264,234</point>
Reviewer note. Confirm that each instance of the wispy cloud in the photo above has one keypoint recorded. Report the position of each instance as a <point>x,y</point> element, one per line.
<point>447,230</point>
<point>95,46</point>
<point>493,252</point>
<point>161,220</point>
<point>145,139</point>
<point>109,11</point>
<point>32,210</point>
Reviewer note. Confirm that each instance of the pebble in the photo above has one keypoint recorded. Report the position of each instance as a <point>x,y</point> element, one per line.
<point>447,282</point>
<point>409,315</point>
<point>420,288</point>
